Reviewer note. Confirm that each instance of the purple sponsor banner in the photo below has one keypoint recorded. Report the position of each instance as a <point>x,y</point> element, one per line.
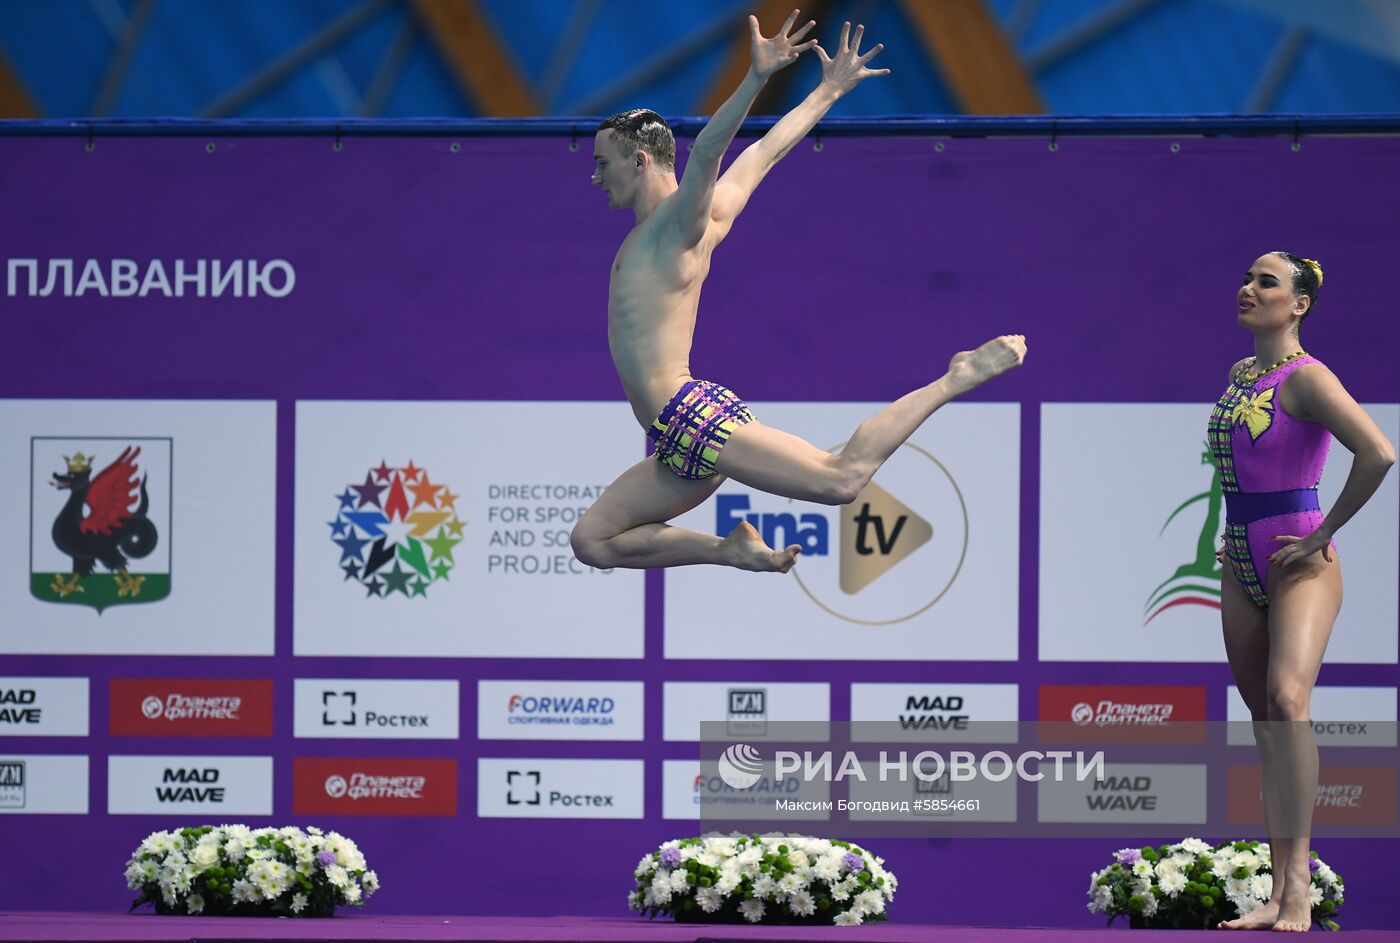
<point>427,269</point>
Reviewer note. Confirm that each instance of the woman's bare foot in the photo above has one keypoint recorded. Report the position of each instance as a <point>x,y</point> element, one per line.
<point>1263,918</point>
<point>971,368</point>
<point>745,549</point>
<point>1295,910</point>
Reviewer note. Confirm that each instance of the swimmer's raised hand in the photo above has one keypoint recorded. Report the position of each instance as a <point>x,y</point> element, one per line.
<point>845,70</point>
<point>770,55</point>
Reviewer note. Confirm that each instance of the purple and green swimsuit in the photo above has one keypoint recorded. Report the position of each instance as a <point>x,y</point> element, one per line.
<point>1270,464</point>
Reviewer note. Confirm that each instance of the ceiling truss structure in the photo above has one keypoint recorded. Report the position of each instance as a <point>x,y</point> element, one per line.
<point>962,41</point>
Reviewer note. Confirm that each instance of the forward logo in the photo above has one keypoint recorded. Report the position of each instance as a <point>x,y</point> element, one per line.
<point>98,509</point>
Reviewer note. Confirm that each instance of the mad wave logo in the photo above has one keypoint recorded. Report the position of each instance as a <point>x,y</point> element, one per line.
<point>740,766</point>
<point>922,712</point>
<point>893,556</point>
<point>396,531</point>
<point>545,710</point>
<point>98,509</point>
<point>1197,581</point>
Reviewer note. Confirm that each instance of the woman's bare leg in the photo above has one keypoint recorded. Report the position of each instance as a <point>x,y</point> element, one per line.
<point>1246,629</point>
<point>1303,604</point>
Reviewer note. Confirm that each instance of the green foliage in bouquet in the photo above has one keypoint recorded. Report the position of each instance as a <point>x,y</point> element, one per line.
<point>233,870</point>
<point>790,879</point>
<point>1193,885</point>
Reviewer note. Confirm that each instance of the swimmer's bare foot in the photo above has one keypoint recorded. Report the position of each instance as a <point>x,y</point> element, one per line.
<point>1295,915</point>
<point>1262,918</point>
<point>971,368</point>
<point>745,549</point>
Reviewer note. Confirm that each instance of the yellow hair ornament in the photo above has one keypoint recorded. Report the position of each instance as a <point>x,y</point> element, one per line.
<point>1317,269</point>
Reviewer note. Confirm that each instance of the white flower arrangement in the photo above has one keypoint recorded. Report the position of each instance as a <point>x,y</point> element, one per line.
<point>1194,885</point>
<point>763,879</point>
<point>238,871</point>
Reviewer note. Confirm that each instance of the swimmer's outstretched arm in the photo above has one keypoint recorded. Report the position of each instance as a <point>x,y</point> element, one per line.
<point>840,74</point>
<point>697,186</point>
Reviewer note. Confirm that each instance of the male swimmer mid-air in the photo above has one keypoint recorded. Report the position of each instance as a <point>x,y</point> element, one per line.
<point>704,433</point>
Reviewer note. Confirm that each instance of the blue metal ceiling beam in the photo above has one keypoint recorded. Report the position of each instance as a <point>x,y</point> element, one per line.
<point>1277,70</point>
<point>1085,33</point>
<point>121,59</point>
<point>278,71</point>
<point>386,74</point>
<point>566,50</point>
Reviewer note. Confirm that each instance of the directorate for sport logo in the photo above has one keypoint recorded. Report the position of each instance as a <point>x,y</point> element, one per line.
<point>1196,582</point>
<point>98,509</point>
<point>396,531</point>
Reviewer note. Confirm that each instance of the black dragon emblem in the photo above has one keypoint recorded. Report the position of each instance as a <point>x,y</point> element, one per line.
<point>97,523</point>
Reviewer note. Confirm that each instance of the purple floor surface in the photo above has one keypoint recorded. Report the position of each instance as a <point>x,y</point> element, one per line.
<point>38,926</point>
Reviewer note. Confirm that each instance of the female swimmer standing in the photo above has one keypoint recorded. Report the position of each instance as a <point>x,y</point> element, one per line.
<point>1281,589</point>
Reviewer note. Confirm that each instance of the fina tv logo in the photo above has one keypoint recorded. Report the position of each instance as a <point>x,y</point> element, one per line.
<point>740,766</point>
<point>875,534</point>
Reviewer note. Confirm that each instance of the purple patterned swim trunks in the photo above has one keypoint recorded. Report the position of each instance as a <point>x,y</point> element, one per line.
<point>695,425</point>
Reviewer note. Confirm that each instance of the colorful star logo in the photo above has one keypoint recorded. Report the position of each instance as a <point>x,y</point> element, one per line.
<point>396,531</point>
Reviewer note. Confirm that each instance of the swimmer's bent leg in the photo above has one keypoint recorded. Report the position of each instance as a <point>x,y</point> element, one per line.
<point>626,526</point>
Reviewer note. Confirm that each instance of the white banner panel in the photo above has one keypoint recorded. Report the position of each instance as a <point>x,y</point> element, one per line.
<point>934,712</point>
<point>559,789</point>
<point>559,710</point>
<point>363,708</point>
<point>688,793</point>
<point>1341,717</point>
<point>170,785</point>
<point>923,565</point>
<point>43,707</point>
<point>1147,793</point>
<point>1129,521</point>
<point>746,709</point>
<point>32,784</point>
<point>145,527</point>
<point>442,530</point>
